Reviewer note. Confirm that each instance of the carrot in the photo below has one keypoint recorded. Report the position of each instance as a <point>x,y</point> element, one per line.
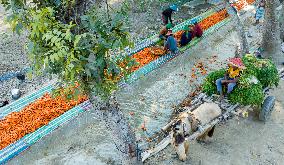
<point>178,35</point>
<point>35,115</point>
<point>147,55</point>
<point>240,4</point>
<point>213,19</point>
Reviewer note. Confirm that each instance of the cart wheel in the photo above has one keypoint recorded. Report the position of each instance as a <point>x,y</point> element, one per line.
<point>267,108</point>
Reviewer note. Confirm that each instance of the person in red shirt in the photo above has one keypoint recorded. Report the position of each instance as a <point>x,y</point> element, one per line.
<point>197,30</point>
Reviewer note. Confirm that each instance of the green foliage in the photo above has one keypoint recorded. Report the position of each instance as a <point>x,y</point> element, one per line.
<point>78,50</point>
<point>251,95</point>
<point>248,91</point>
<point>160,42</point>
<point>259,73</point>
<point>246,80</point>
<point>264,69</point>
<point>209,85</point>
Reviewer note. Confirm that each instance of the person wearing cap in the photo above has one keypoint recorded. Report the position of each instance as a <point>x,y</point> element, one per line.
<point>198,32</point>
<point>171,43</point>
<point>231,77</point>
<point>164,31</point>
<point>167,14</point>
<point>186,36</point>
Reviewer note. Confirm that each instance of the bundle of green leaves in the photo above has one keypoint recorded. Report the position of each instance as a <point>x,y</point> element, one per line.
<point>264,69</point>
<point>248,91</point>
<point>259,73</point>
<point>209,85</point>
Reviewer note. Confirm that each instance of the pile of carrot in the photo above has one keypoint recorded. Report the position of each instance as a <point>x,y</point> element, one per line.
<point>240,4</point>
<point>213,19</point>
<point>207,22</point>
<point>147,55</point>
<point>217,17</point>
<point>178,35</point>
<point>37,114</point>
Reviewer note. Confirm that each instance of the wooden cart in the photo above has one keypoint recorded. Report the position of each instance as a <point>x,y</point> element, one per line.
<point>228,112</point>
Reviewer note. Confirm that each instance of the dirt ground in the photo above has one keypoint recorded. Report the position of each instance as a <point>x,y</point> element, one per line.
<point>85,140</point>
<point>13,58</point>
<point>239,141</point>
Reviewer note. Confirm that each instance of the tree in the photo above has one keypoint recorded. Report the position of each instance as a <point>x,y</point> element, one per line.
<point>271,36</point>
<point>82,45</point>
<point>243,46</point>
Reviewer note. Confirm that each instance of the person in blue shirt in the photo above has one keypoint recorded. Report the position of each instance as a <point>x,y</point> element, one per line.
<point>186,37</point>
<point>259,12</point>
<point>171,43</point>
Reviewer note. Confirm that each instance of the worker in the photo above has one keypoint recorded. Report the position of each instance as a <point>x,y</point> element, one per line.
<point>167,14</point>
<point>171,43</point>
<point>164,31</point>
<point>198,32</point>
<point>259,12</point>
<point>231,77</point>
<point>186,36</point>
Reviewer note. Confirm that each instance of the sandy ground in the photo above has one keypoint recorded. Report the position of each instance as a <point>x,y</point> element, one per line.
<point>13,58</point>
<point>240,141</point>
<point>82,141</point>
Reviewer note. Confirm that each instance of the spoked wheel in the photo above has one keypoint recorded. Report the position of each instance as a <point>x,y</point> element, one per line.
<point>267,108</point>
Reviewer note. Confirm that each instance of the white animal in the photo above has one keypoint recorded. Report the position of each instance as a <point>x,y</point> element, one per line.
<point>188,123</point>
<point>180,145</point>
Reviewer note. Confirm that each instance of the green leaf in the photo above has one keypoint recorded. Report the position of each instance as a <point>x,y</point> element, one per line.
<point>68,35</point>
<point>47,36</point>
<point>77,40</point>
<point>57,32</point>
<point>71,65</point>
<point>52,58</point>
<point>46,60</point>
<point>54,38</point>
<point>56,56</point>
<point>19,28</point>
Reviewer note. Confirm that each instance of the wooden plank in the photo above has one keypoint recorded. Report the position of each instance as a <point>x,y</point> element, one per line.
<point>163,144</point>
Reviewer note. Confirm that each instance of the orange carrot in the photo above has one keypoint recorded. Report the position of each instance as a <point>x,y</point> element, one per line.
<point>37,114</point>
